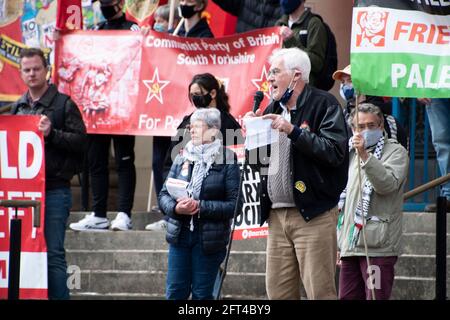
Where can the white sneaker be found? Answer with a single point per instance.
(90, 222)
(122, 222)
(160, 225)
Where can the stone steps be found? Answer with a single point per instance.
(133, 264)
(240, 261)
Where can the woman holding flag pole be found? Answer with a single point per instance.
(370, 214)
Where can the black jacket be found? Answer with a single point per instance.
(218, 197)
(63, 145)
(252, 14)
(319, 154)
(200, 30)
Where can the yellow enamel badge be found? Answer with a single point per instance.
(300, 186)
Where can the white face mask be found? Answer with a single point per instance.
(371, 137)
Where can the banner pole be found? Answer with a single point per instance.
(360, 186)
(175, 33)
(172, 13)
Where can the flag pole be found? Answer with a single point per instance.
(172, 13)
(360, 185)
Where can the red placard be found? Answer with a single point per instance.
(22, 177)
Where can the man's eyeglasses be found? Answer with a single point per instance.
(274, 72)
(369, 126)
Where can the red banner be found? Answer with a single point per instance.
(22, 177)
(10, 44)
(125, 83)
(220, 22)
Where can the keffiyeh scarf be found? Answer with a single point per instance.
(362, 208)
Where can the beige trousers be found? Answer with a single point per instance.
(300, 251)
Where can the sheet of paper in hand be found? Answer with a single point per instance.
(259, 133)
(177, 188)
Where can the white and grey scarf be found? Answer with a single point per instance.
(362, 209)
(202, 156)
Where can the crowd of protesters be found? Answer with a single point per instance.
(310, 190)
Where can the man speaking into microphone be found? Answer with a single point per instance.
(302, 180)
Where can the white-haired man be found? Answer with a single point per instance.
(299, 193)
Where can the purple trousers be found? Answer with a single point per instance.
(353, 278)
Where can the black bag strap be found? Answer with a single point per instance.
(59, 114)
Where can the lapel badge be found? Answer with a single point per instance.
(300, 186)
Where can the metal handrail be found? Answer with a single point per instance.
(25, 204)
(427, 186)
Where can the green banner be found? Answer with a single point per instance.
(400, 50)
(401, 75)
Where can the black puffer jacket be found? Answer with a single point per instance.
(252, 14)
(63, 145)
(218, 197)
(319, 154)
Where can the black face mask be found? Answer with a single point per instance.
(109, 11)
(187, 11)
(202, 101)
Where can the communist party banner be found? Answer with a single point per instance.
(401, 48)
(31, 23)
(22, 177)
(125, 83)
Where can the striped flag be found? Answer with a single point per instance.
(401, 48)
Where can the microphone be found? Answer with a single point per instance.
(257, 99)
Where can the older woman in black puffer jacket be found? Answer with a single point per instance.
(199, 223)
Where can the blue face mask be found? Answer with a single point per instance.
(289, 6)
(159, 27)
(371, 137)
(347, 92)
(288, 93)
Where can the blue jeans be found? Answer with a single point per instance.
(190, 270)
(57, 208)
(439, 116)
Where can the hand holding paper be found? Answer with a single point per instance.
(259, 132)
(177, 188)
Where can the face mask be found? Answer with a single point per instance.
(289, 6)
(109, 11)
(202, 101)
(347, 92)
(371, 137)
(288, 93)
(159, 27)
(187, 11)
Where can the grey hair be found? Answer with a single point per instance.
(211, 116)
(366, 108)
(294, 59)
(164, 12)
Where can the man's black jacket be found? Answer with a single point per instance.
(319, 154)
(63, 146)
